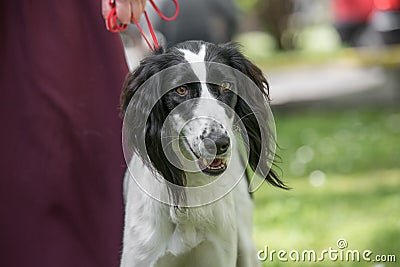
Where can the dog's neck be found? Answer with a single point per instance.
(187, 228)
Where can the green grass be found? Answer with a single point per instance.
(338, 142)
(348, 185)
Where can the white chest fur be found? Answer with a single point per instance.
(203, 236)
(158, 235)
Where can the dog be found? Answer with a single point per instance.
(187, 117)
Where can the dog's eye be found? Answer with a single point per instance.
(181, 90)
(225, 86)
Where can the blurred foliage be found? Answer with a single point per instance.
(257, 45)
(339, 141)
(317, 39)
(277, 34)
(273, 17)
(344, 170)
(246, 5)
(262, 54)
(260, 47)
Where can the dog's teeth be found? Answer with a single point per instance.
(217, 167)
(204, 162)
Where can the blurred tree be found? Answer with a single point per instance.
(274, 17)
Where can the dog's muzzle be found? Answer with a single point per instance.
(213, 149)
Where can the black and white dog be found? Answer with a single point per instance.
(186, 111)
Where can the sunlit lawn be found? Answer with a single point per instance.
(344, 170)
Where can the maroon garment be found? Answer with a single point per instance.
(61, 163)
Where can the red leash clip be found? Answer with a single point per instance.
(114, 25)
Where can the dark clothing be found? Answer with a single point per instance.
(61, 163)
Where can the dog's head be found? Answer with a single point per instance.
(193, 96)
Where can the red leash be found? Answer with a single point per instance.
(115, 26)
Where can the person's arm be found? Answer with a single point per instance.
(125, 9)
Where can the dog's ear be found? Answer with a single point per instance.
(144, 115)
(251, 110)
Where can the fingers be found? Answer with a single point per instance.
(105, 8)
(125, 9)
(138, 7)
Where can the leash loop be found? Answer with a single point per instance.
(162, 15)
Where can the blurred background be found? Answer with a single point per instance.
(334, 73)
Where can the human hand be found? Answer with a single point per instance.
(125, 9)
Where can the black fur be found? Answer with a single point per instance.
(150, 130)
(252, 116)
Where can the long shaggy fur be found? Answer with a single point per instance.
(157, 235)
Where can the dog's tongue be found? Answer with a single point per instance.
(216, 163)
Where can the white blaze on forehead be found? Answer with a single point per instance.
(197, 62)
(208, 106)
(198, 65)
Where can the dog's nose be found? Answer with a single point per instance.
(217, 144)
(222, 143)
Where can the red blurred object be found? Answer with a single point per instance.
(352, 10)
(367, 22)
(387, 4)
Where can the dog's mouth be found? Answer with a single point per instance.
(212, 167)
